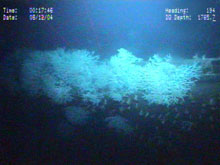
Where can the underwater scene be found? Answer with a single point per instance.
(110, 82)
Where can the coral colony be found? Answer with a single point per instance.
(63, 76)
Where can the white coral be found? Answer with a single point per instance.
(166, 83)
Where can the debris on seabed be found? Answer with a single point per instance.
(129, 101)
(177, 115)
(135, 97)
(146, 114)
(136, 105)
(159, 117)
(211, 101)
(121, 109)
(211, 119)
(105, 101)
(141, 113)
